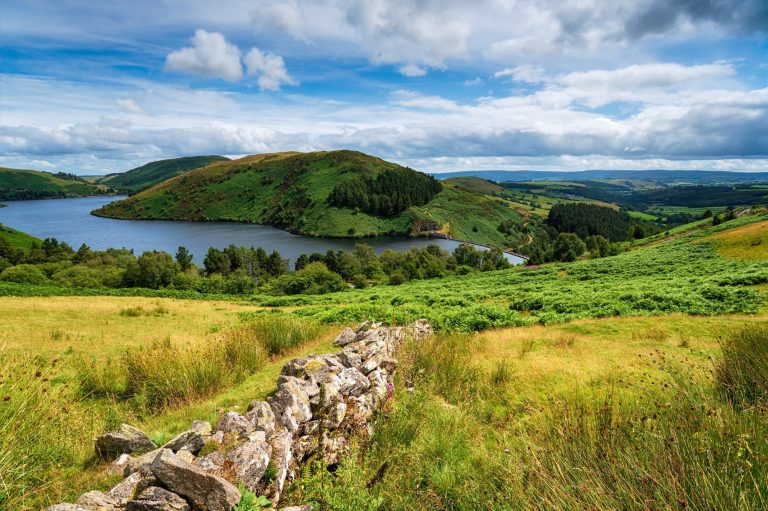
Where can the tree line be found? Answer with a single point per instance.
(236, 270)
(389, 193)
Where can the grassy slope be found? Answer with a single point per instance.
(17, 238)
(746, 242)
(156, 172)
(18, 180)
(254, 188)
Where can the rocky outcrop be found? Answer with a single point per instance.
(321, 402)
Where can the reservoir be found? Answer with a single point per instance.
(69, 220)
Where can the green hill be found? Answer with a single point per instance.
(156, 172)
(17, 239)
(291, 191)
(18, 184)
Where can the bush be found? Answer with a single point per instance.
(315, 278)
(742, 370)
(24, 274)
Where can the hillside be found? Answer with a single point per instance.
(156, 172)
(659, 176)
(17, 239)
(19, 184)
(291, 191)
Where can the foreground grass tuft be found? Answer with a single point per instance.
(743, 369)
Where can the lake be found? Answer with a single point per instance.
(69, 220)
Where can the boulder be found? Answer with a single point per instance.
(135, 464)
(212, 463)
(297, 508)
(126, 439)
(202, 427)
(234, 424)
(282, 457)
(352, 382)
(250, 461)
(157, 499)
(206, 492)
(290, 404)
(97, 501)
(189, 440)
(262, 417)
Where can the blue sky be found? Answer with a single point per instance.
(441, 85)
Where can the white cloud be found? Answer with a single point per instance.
(280, 16)
(269, 68)
(412, 71)
(130, 106)
(527, 73)
(210, 55)
(474, 81)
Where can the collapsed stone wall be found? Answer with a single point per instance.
(320, 403)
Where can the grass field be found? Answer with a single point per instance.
(746, 242)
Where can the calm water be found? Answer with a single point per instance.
(70, 220)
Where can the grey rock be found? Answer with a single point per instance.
(364, 327)
(346, 336)
(65, 507)
(135, 464)
(211, 463)
(353, 382)
(132, 485)
(306, 507)
(157, 499)
(262, 417)
(290, 404)
(250, 461)
(232, 423)
(126, 439)
(97, 501)
(282, 456)
(189, 440)
(202, 427)
(206, 492)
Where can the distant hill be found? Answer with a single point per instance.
(294, 191)
(156, 172)
(662, 176)
(19, 184)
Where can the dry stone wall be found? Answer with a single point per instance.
(321, 402)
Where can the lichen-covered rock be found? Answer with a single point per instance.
(206, 492)
(211, 463)
(135, 464)
(97, 501)
(250, 460)
(352, 382)
(290, 404)
(202, 427)
(234, 424)
(282, 456)
(157, 499)
(126, 439)
(306, 507)
(189, 440)
(262, 417)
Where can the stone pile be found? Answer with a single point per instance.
(320, 403)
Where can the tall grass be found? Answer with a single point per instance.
(29, 424)
(743, 369)
(667, 443)
(165, 374)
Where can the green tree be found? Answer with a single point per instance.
(184, 259)
(597, 245)
(568, 247)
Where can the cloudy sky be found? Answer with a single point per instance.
(96, 87)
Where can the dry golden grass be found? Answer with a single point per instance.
(746, 242)
(102, 325)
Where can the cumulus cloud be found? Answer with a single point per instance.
(210, 55)
(269, 68)
(527, 73)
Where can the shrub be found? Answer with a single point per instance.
(24, 274)
(742, 370)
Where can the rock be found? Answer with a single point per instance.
(353, 382)
(66, 507)
(206, 492)
(189, 440)
(282, 456)
(234, 424)
(132, 485)
(136, 463)
(336, 415)
(186, 455)
(97, 501)
(262, 417)
(212, 463)
(157, 499)
(364, 327)
(294, 367)
(347, 336)
(250, 461)
(290, 404)
(202, 427)
(126, 439)
(351, 358)
(297, 508)
(119, 465)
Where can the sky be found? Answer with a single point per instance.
(439, 85)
